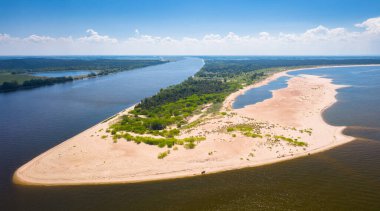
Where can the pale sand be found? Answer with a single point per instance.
(88, 159)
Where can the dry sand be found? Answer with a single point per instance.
(89, 158)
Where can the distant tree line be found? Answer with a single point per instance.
(30, 65)
(27, 65)
(228, 68)
(12, 86)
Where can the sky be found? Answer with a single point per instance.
(175, 27)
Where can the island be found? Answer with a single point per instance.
(192, 129)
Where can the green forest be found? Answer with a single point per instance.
(15, 73)
(165, 113)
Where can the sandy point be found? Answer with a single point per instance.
(287, 126)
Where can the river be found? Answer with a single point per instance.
(32, 121)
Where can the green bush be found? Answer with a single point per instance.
(292, 141)
(162, 155)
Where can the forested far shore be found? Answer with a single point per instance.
(15, 74)
(33, 83)
(28, 65)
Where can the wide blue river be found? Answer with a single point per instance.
(33, 121)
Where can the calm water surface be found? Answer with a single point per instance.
(33, 121)
(261, 93)
(344, 178)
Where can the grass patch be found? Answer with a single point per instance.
(189, 143)
(308, 131)
(19, 78)
(192, 124)
(253, 135)
(162, 155)
(291, 141)
(247, 130)
(241, 128)
(214, 108)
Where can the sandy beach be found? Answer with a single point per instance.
(92, 157)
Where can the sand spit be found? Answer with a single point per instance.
(287, 126)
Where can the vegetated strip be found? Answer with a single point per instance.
(16, 71)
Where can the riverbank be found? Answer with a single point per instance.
(92, 158)
(18, 73)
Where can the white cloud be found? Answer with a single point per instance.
(37, 39)
(93, 36)
(4, 37)
(315, 41)
(371, 25)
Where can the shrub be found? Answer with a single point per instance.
(253, 135)
(189, 145)
(162, 155)
(292, 141)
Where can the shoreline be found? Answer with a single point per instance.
(227, 104)
(19, 177)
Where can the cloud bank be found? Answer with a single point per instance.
(364, 40)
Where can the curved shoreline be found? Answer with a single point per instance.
(227, 104)
(19, 177)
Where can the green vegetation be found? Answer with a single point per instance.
(291, 141)
(214, 108)
(189, 143)
(308, 131)
(14, 72)
(191, 124)
(253, 135)
(247, 130)
(162, 155)
(104, 66)
(241, 128)
(29, 84)
(18, 78)
(167, 112)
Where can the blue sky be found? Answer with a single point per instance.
(177, 19)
